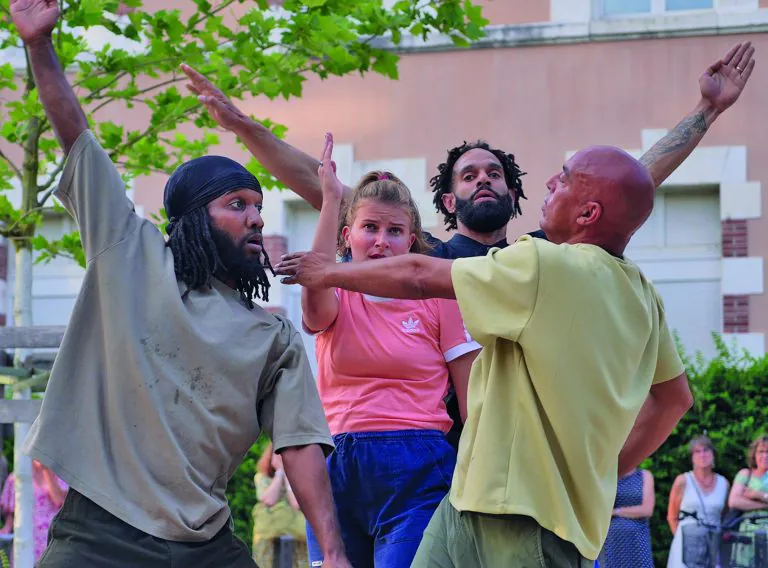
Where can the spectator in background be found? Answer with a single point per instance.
(701, 492)
(277, 513)
(750, 487)
(49, 497)
(749, 495)
(628, 544)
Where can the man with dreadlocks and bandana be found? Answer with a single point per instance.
(478, 188)
(168, 372)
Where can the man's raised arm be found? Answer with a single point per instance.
(35, 20)
(721, 85)
(294, 168)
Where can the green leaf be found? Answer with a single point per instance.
(386, 64)
(69, 246)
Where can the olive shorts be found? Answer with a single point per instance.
(455, 539)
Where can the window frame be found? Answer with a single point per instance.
(658, 8)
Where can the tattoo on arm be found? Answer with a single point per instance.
(681, 135)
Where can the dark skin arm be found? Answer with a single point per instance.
(409, 276)
(307, 473)
(35, 20)
(291, 166)
(666, 404)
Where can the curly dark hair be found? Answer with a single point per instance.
(196, 258)
(442, 183)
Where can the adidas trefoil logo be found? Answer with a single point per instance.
(411, 325)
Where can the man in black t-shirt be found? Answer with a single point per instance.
(478, 190)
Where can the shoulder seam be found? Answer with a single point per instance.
(121, 241)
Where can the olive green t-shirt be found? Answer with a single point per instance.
(155, 397)
(573, 338)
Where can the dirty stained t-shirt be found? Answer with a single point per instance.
(154, 398)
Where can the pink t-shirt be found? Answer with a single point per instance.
(382, 365)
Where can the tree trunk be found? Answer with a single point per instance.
(23, 525)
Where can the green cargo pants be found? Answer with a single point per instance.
(456, 539)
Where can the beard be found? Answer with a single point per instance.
(238, 264)
(487, 216)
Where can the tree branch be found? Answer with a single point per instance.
(160, 127)
(52, 178)
(17, 222)
(216, 10)
(93, 95)
(213, 12)
(47, 195)
(14, 167)
(30, 78)
(104, 103)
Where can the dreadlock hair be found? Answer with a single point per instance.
(196, 258)
(442, 183)
(384, 187)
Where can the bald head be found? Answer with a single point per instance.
(602, 196)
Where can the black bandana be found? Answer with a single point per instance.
(200, 181)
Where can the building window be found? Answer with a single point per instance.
(629, 7)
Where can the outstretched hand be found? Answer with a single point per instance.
(34, 19)
(305, 268)
(329, 183)
(221, 109)
(722, 83)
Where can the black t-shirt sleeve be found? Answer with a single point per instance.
(437, 248)
(539, 235)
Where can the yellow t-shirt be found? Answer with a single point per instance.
(573, 338)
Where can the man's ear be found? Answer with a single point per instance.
(449, 202)
(591, 212)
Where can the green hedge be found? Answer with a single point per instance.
(241, 493)
(731, 407)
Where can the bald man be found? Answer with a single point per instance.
(576, 350)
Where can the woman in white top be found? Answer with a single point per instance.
(701, 492)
